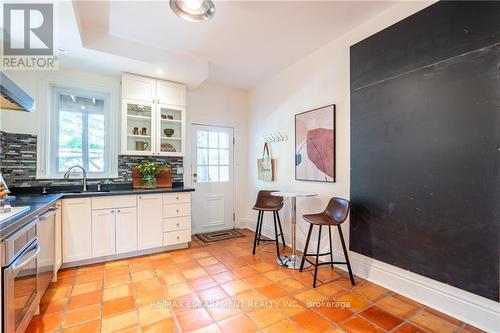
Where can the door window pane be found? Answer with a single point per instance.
(202, 156)
(213, 173)
(202, 174)
(223, 156)
(223, 173)
(202, 139)
(213, 139)
(223, 140)
(213, 156)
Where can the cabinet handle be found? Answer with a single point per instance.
(177, 211)
(118, 211)
(112, 211)
(177, 198)
(177, 237)
(140, 197)
(177, 224)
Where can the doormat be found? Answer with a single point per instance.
(209, 237)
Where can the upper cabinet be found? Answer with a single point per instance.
(153, 116)
(170, 93)
(139, 88)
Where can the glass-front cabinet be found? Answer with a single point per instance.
(155, 126)
(139, 129)
(171, 127)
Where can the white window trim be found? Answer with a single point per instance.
(45, 147)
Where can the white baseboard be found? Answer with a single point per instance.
(475, 310)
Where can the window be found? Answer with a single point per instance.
(79, 133)
(212, 150)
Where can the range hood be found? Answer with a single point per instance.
(13, 97)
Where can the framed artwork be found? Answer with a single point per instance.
(315, 145)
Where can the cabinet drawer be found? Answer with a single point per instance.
(174, 198)
(176, 237)
(177, 223)
(115, 201)
(183, 209)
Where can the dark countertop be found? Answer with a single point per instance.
(129, 191)
(38, 203)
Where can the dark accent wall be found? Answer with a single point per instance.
(18, 164)
(425, 141)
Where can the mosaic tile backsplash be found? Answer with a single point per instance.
(18, 164)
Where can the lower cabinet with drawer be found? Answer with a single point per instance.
(108, 227)
(176, 219)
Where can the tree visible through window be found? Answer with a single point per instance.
(81, 132)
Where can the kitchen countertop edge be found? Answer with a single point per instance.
(38, 203)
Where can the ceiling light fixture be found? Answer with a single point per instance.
(193, 10)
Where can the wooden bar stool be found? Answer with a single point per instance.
(268, 203)
(334, 215)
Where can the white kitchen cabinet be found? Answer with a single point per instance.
(138, 127)
(58, 240)
(153, 117)
(149, 218)
(76, 229)
(176, 219)
(170, 93)
(177, 237)
(138, 87)
(126, 230)
(171, 130)
(103, 232)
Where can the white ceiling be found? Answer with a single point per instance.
(245, 43)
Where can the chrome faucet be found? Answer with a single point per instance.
(66, 175)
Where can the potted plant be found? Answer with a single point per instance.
(149, 170)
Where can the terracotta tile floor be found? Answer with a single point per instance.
(221, 287)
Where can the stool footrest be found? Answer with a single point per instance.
(321, 254)
(325, 263)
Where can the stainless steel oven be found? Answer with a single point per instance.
(20, 275)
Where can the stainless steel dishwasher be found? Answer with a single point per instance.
(46, 260)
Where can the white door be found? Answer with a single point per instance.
(76, 229)
(103, 232)
(149, 221)
(126, 230)
(213, 178)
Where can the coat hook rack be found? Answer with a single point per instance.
(275, 137)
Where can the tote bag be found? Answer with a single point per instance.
(266, 165)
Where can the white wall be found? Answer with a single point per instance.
(217, 104)
(320, 79)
